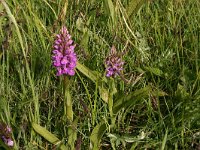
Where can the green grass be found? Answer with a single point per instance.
(158, 109)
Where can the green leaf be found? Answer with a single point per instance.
(134, 6)
(198, 75)
(129, 139)
(159, 93)
(72, 134)
(80, 25)
(114, 140)
(96, 135)
(110, 10)
(104, 94)
(84, 42)
(68, 111)
(114, 136)
(48, 135)
(155, 71)
(112, 87)
(87, 72)
(95, 77)
(3, 104)
(181, 92)
(126, 101)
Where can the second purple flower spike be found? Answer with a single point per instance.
(5, 134)
(114, 63)
(64, 57)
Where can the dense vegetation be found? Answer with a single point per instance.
(154, 103)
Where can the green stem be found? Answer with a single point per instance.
(67, 99)
(112, 91)
(110, 106)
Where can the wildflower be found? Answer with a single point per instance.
(64, 57)
(5, 134)
(8, 130)
(8, 141)
(114, 63)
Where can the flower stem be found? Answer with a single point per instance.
(67, 99)
(112, 91)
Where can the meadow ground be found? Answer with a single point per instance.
(153, 103)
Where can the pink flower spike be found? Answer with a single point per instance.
(64, 57)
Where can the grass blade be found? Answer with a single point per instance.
(164, 140)
(35, 98)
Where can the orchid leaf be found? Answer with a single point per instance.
(84, 43)
(48, 136)
(96, 135)
(72, 134)
(87, 72)
(104, 94)
(154, 71)
(131, 99)
(95, 77)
